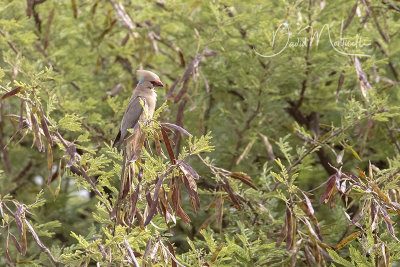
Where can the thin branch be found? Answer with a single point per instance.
(372, 12)
(41, 245)
(307, 58)
(123, 15)
(392, 137)
(79, 171)
(10, 44)
(52, 65)
(303, 120)
(245, 128)
(299, 160)
(391, 65)
(5, 154)
(179, 122)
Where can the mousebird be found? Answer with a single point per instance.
(134, 111)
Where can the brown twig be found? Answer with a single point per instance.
(208, 111)
(10, 44)
(307, 58)
(246, 127)
(392, 137)
(123, 15)
(391, 65)
(300, 159)
(303, 120)
(179, 122)
(51, 64)
(5, 154)
(372, 12)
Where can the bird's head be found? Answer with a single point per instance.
(149, 78)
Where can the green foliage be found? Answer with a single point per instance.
(293, 157)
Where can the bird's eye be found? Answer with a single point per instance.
(156, 84)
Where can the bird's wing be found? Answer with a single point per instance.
(130, 118)
(132, 115)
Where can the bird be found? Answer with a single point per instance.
(143, 97)
(145, 91)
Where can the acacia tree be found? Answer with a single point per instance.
(293, 95)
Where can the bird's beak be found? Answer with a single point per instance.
(159, 83)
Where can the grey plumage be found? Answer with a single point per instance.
(134, 111)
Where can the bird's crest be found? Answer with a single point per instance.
(147, 76)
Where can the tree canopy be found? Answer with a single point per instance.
(275, 140)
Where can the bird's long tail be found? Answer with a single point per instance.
(125, 208)
(117, 207)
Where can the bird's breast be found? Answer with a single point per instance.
(151, 99)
